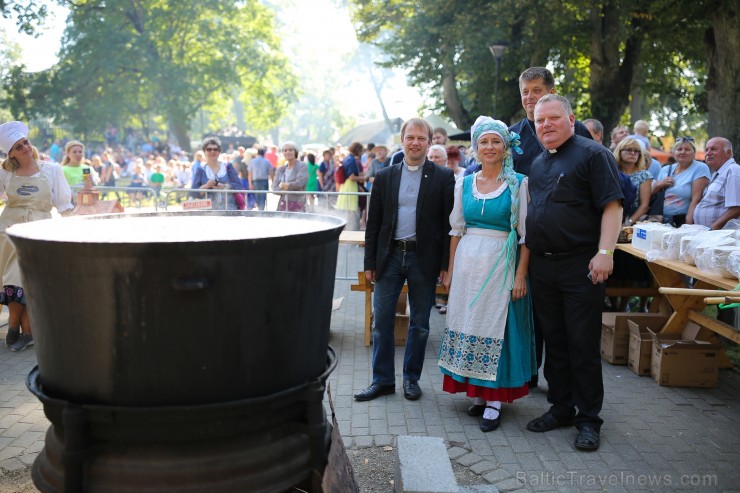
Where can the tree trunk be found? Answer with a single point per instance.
(452, 101)
(181, 129)
(378, 87)
(611, 81)
(636, 106)
(722, 43)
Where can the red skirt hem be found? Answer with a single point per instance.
(507, 395)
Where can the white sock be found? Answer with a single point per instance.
(478, 401)
(492, 413)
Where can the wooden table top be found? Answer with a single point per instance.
(352, 238)
(683, 268)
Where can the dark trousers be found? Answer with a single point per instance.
(402, 267)
(568, 308)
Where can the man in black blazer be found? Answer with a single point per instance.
(406, 240)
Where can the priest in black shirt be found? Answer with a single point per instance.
(534, 83)
(573, 221)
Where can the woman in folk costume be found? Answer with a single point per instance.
(33, 187)
(488, 348)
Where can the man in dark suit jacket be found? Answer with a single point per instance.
(406, 240)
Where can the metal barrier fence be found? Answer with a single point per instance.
(136, 197)
(170, 199)
(316, 202)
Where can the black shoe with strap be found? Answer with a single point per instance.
(547, 422)
(587, 439)
(487, 425)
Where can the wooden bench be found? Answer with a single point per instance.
(401, 308)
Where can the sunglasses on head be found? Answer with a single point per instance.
(20, 145)
(684, 139)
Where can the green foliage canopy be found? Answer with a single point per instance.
(604, 53)
(128, 60)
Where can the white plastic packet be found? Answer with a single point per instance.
(670, 245)
(697, 244)
(713, 260)
(733, 264)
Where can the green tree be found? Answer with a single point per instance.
(10, 55)
(123, 60)
(605, 54)
(444, 46)
(28, 13)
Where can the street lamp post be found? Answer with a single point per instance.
(497, 50)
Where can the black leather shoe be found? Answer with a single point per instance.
(373, 391)
(487, 425)
(411, 390)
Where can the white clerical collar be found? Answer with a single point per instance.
(552, 151)
(411, 168)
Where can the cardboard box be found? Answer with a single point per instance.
(402, 305)
(615, 334)
(682, 361)
(640, 350)
(401, 329)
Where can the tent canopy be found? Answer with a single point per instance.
(375, 132)
(378, 132)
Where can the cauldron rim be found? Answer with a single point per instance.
(332, 224)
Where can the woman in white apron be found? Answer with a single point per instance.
(32, 188)
(488, 348)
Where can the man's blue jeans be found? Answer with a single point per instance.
(260, 197)
(402, 266)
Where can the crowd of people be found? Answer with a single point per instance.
(521, 228)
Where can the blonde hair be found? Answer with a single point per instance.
(12, 164)
(69, 145)
(630, 142)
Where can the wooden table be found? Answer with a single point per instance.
(667, 273)
(368, 288)
(352, 238)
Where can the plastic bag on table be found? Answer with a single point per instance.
(670, 244)
(713, 260)
(733, 224)
(697, 244)
(733, 264)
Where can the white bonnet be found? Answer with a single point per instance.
(10, 133)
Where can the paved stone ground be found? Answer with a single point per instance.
(654, 438)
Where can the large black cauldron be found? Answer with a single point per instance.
(178, 308)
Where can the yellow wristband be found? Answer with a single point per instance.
(606, 252)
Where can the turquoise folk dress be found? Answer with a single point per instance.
(488, 346)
